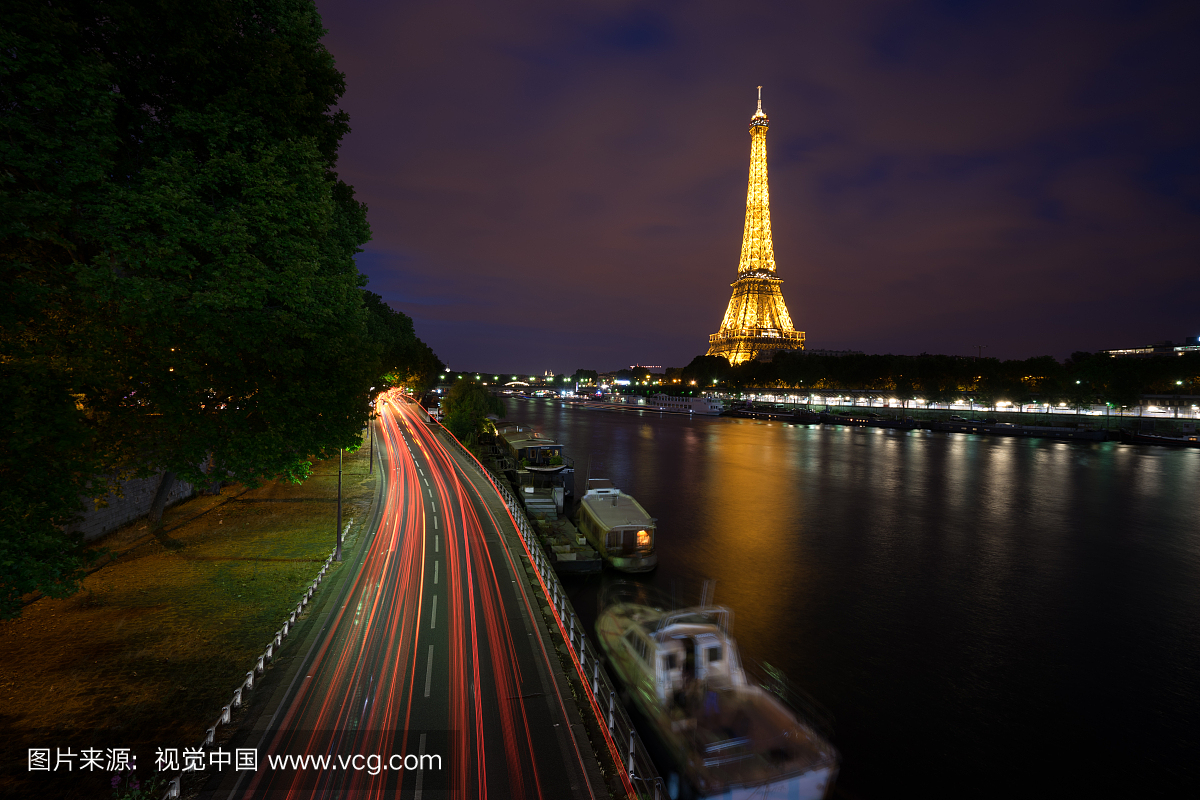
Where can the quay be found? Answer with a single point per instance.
(1062, 426)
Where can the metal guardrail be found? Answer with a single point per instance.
(639, 774)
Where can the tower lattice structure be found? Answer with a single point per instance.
(757, 323)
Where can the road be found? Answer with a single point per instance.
(432, 652)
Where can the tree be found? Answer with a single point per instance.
(706, 369)
(405, 359)
(467, 406)
(176, 253)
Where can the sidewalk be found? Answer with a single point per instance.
(149, 651)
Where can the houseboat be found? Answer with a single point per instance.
(618, 527)
(663, 403)
(726, 735)
(706, 406)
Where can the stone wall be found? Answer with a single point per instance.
(137, 496)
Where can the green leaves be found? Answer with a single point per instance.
(467, 406)
(1082, 380)
(176, 259)
(405, 359)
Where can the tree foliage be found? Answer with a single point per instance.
(466, 408)
(703, 370)
(177, 259)
(405, 359)
(1083, 379)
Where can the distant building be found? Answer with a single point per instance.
(834, 352)
(1189, 345)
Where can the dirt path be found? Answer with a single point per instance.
(149, 651)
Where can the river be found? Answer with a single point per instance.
(983, 617)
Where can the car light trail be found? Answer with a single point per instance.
(396, 664)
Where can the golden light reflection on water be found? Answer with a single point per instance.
(756, 535)
(952, 589)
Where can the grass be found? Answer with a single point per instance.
(149, 651)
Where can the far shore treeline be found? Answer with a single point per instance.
(1083, 379)
(177, 262)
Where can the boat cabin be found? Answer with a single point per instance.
(686, 650)
(615, 520)
(528, 445)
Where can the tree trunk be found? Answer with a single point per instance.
(214, 487)
(160, 498)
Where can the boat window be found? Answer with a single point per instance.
(714, 654)
(670, 659)
(637, 643)
(643, 538)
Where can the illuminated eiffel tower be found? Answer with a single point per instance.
(757, 323)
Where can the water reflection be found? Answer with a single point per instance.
(961, 603)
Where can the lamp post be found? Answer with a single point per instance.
(338, 552)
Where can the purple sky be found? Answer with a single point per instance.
(562, 185)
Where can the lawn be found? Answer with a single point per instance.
(149, 651)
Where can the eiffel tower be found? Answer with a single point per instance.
(757, 323)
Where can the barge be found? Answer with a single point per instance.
(659, 403)
(726, 735)
(1135, 437)
(617, 526)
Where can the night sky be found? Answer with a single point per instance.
(562, 185)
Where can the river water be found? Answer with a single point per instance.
(982, 617)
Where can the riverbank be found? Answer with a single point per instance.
(981, 421)
(151, 649)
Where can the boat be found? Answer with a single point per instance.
(705, 406)
(659, 403)
(1009, 429)
(1135, 437)
(617, 526)
(795, 416)
(726, 735)
(546, 470)
(868, 419)
(569, 552)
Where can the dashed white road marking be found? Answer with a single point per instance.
(429, 670)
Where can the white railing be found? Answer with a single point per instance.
(268, 656)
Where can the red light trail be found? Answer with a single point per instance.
(431, 650)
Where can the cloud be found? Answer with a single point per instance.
(565, 183)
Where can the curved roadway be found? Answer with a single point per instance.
(432, 651)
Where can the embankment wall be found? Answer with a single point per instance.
(132, 502)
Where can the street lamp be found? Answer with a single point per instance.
(338, 552)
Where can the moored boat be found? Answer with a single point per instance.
(726, 735)
(617, 526)
(661, 403)
(1136, 437)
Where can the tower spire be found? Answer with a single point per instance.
(757, 322)
(759, 115)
